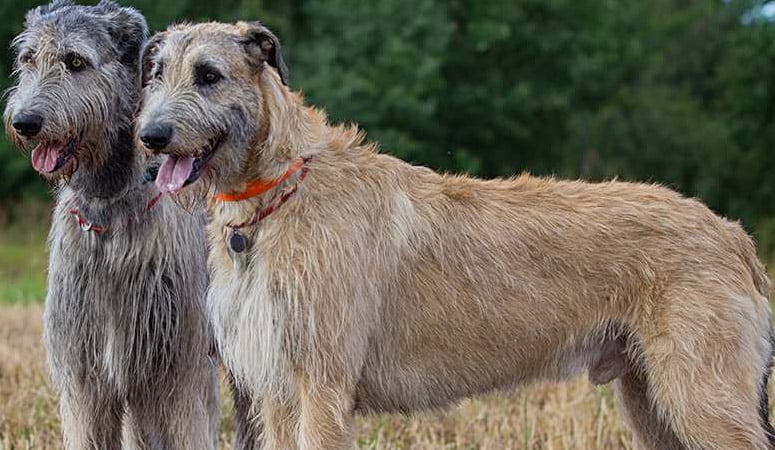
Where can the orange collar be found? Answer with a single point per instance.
(259, 186)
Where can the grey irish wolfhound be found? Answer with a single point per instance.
(348, 281)
(128, 341)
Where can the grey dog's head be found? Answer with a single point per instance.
(76, 73)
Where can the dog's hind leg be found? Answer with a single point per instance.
(131, 436)
(143, 428)
(703, 359)
(764, 402)
(649, 431)
(90, 420)
(247, 428)
(171, 425)
(184, 416)
(194, 419)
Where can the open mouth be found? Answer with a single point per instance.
(48, 157)
(177, 172)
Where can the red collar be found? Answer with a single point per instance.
(260, 186)
(89, 226)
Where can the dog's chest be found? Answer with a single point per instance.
(112, 301)
(248, 320)
(83, 322)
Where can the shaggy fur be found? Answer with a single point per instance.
(125, 326)
(386, 287)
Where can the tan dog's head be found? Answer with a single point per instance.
(204, 100)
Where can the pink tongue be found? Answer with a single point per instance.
(45, 156)
(174, 172)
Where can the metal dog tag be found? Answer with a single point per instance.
(237, 242)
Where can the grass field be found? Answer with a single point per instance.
(566, 416)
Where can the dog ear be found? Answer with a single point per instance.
(34, 14)
(263, 46)
(128, 28)
(148, 54)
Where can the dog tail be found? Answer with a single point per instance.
(764, 405)
(747, 250)
(759, 272)
(761, 281)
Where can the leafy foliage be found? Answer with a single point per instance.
(668, 91)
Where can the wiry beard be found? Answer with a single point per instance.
(193, 197)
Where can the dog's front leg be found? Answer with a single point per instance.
(279, 425)
(326, 419)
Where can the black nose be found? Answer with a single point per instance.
(156, 136)
(27, 124)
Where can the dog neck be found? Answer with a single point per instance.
(111, 177)
(98, 189)
(287, 131)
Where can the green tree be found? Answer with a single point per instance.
(668, 91)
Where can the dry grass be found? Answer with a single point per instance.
(569, 416)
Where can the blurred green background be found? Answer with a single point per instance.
(670, 91)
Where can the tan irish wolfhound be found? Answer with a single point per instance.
(346, 281)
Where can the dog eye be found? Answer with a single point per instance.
(205, 76)
(158, 70)
(75, 62)
(211, 77)
(26, 58)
